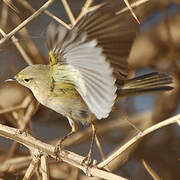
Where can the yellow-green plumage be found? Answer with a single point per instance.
(62, 97)
(87, 71)
(64, 80)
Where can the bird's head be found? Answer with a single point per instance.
(34, 77)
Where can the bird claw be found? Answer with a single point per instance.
(88, 164)
(58, 150)
(87, 161)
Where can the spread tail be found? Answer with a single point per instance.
(144, 84)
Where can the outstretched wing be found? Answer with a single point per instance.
(87, 53)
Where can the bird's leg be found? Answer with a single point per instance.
(58, 147)
(87, 160)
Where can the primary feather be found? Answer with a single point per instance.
(85, 55)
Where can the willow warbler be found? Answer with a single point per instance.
(87, 71)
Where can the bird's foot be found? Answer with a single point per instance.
(87, 160)
(88, 163)
(58, 149)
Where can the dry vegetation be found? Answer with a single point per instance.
(148, 151)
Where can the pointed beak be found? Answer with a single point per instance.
(11, 79)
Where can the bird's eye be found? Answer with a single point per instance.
(26, 80)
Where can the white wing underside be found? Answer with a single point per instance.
(88, 69)
(94, 80)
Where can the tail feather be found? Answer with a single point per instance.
(146, 83)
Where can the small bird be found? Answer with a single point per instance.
(87, 71)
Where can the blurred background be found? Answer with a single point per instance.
(156, 48)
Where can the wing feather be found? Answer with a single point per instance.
(99, 41)
(97, 77)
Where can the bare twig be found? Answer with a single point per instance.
(132, 12)
(44, 168)
(66, 156)
(150, 171)
(23, 119)
(178, 122)
(73, 158)
(11, 5)
(21, 50)
(112, 125)
(19, 47)
(25, 22)
(84, 9)
(7, 110)
(12, 164)
(87, 4)
(92, 8)
(32, 167)
(137, 137)
(4, 15)
(30, 45)
(23, 105)
(58, 19)
(69, 12)
(135, 4)
(28, 6)
(100, 147)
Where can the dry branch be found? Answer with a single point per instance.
(28, 6)
(28, 20)
(69, 12)
(135, 4)
(44, 167)
(150, 170)
(18, 46)
(35, 145)
(31, 168)
(137, 137)
(132, 12)
(72, 158)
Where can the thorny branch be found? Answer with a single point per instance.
(70, 157)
